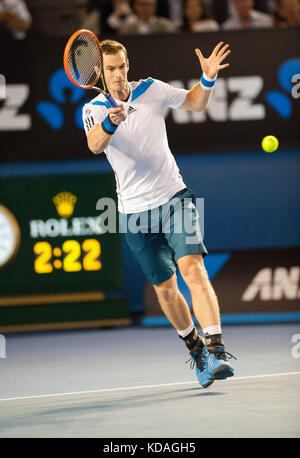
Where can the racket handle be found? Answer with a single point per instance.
(111, 100)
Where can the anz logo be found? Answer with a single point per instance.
(52, 111)
(277, 284)
(243, 106)
(246, 89)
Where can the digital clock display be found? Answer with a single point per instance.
(73, 256)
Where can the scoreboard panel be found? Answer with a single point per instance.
(59, 266)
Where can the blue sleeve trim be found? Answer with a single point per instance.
(141, 89)
(106, 104)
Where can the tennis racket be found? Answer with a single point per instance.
(83, 63)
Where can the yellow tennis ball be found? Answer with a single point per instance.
(269, 143)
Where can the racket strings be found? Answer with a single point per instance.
(81, 61)
(84, 59)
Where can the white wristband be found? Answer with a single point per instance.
(207, 77)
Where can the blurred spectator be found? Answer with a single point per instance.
(245, 17)
(15, 18)
(224, 9)
(287, 13)
(144, 21)
(196, 19)
(121, 11)
(89, 17)
(173, 9)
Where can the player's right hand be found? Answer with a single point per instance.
(117, 115)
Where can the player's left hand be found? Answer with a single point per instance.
(212, 64)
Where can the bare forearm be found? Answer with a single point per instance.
(97, 139)
(99, 136)
(199, 98)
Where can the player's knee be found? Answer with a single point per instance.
(195, 274)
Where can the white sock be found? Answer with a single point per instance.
(211, 330)
(185, 332)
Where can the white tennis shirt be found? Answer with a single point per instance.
(146, 173)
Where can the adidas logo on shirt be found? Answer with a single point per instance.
(131, 110)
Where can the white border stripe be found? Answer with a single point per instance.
(40, 396)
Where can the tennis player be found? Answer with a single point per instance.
(134, 139)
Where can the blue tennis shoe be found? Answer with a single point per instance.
(198, 351)
(199, 360)
(218, 366)
(209, 358)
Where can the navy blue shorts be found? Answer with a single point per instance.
(161, 236)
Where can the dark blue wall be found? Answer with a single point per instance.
(252, 200)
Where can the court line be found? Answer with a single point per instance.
(142, 387)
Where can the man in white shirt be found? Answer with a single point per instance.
(245, 17)
(134, 139)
